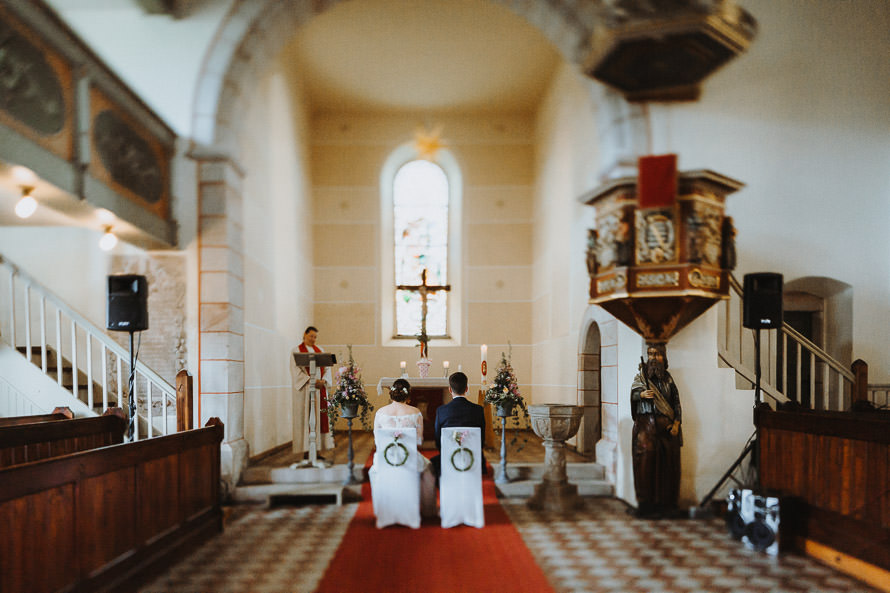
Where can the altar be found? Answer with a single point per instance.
(427, 394)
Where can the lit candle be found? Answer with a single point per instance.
(403, 365)
(484, 362)
(445, 366)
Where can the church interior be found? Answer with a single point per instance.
(613, 175)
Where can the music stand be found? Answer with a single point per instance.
(313, 360)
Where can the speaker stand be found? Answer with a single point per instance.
(131, 395)
(753, 442)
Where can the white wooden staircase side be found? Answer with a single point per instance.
(25, 390)
(70, 350)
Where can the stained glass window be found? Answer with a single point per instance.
(420, 224)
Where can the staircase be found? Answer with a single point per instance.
(46, 331)
(83, 385)
(830, 384)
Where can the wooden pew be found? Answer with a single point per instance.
(100, 520)
(837, 465)
(57, 414)
(24, 443)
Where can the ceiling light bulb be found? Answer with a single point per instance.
(23, 175)
(105, 216)
(108, 240)
(26, 206)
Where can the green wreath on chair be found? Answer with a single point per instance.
(397, 445)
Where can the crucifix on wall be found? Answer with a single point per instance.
(423, 289)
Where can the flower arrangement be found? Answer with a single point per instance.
(350, 390)
(504, 391)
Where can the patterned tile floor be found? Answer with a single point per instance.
(601, 549)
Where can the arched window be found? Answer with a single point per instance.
(420, 248)
(420, 255)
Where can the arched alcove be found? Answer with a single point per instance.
(589, 388)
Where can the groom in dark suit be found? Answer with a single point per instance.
(458, 412)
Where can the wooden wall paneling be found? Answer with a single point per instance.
(817, 483)
(195, 490)
(40, 538)
(845, 493)
(859, 479)
(797, 459)
(74, 519)
(33, 442)
(105, 518)
(878, 501)
(157, 487)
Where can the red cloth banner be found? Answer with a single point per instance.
(657, 182)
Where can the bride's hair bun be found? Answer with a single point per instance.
(400, 390)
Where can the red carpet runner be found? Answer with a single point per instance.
(461, 559)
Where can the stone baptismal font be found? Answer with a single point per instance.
(555, 423)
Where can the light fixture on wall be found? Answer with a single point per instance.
(428, 142)
(27, 204)
(108, 240)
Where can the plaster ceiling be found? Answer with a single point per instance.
(421, 56)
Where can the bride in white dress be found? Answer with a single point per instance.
(400, 415)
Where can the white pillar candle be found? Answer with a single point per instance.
(484, 365)
(445, 364)
(403, 365)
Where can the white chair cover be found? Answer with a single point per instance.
(460, 484)
(395, 482)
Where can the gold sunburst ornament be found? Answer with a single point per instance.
(428, 142)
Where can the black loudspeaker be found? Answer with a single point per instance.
(127, 303)
(763, 522)
(762, 301)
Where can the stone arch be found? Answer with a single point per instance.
(589, 387)
(252, 34)
(255, 31)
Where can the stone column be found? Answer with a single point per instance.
(220, 379)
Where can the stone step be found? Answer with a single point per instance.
(269, 494)
(535, 471)
(264, 474)
(525, 488)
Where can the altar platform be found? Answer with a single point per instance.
(270, 481)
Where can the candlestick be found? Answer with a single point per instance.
(404, 366)
(445, 367)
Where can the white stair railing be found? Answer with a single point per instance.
(92, 355)
(828, 382)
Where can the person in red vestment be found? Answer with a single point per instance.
(324, 438)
